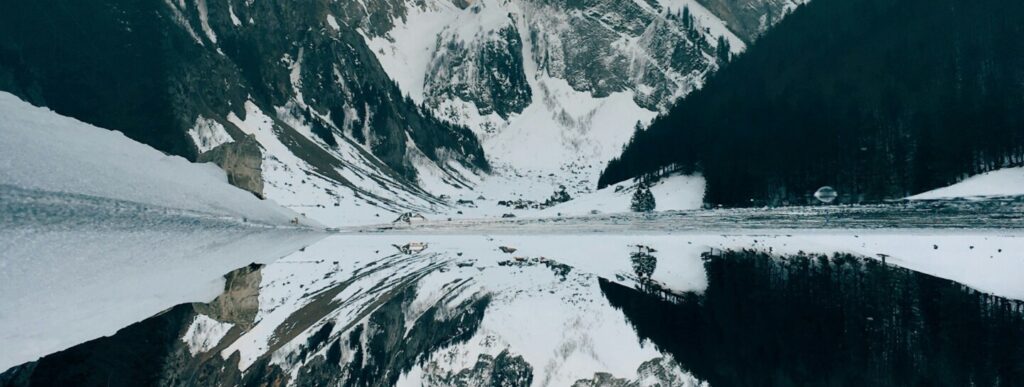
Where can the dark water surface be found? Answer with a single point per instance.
(839, 321)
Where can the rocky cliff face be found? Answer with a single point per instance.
(489, 72)
(563, 80)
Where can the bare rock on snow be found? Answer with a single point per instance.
(242, 160)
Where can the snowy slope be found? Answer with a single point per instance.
(352, 187)
(41, 150)
(1002, 182)
(673, 193)
(98, 231)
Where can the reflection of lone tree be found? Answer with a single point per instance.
(643, 199)
(643, 264)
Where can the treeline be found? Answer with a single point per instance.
(877, 98)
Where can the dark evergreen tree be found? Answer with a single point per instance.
(723, 51)
(643, 264)
(643, 199)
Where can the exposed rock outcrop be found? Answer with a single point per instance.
(242, 160)
(240, 301)
(505, 370)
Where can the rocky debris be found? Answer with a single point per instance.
(558, 197)
(507, 250)
(242, 160)
(505, 370)
(662, 371)
(508, 215)
(560, 270)
(520, 204)
(411, 247)
(409, 217)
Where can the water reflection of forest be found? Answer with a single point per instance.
(835, 321)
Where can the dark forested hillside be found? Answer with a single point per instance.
(877, 98)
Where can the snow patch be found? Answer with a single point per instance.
(1002, 182)
(204, 21)
(331, 21)
(673, 193)
(207, 134)
(234, 18)
(204, 333)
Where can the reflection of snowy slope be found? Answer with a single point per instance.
(342, 282)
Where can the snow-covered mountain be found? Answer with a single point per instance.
(364, 109)
(547, 84)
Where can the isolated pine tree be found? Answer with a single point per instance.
(643, 264)
(643, 199)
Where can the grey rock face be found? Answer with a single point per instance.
(488, 72)
(240, 301)
(597, 46)
(242, 160)
(607, 46)
(505, 370)
(750, 18)
(662, 371)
